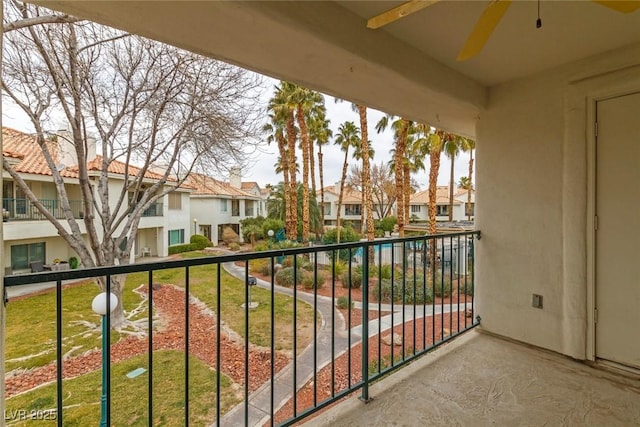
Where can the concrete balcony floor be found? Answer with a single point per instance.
(480, 379)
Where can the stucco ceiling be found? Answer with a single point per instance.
(407, 68)
(571, 30)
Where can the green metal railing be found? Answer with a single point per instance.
(399, 299)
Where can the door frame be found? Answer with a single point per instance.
(600, 88)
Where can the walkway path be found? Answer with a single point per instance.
(259, 402)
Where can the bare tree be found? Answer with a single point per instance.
(383, 189)
(144, 102)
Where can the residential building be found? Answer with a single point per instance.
(419, 204)
(30, 237)
(216, 205)
(351, 210)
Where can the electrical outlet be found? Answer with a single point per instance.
(537, 301)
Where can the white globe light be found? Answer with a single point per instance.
(99, 303)
(270, 233)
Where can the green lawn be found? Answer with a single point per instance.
(31, 331)
(81, 404)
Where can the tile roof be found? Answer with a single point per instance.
(205, 185)
(249, 185)
(442, 196)
(23, 146)
(349, 196)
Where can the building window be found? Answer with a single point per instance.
(415, 208)
(175, 201)
(176, 237)
(235, 208)
(327, 208)
(442, 210)
(23, 255)
(223, 205)
(352, 209)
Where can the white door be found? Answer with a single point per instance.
(618, 230)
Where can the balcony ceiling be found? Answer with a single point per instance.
(408, 67)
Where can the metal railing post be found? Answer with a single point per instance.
(365, 324)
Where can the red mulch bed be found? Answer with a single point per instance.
(322, 384)
(169, 302)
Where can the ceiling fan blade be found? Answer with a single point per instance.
(398, 12)
(627, 6)
(487, 22)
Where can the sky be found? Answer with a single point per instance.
(262, 169)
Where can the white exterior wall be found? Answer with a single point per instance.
(533, 198)
(175, 219)
(208, 211)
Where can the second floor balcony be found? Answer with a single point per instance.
(24, 210)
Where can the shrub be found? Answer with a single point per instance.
(199, 242)
(266, 269)
(386, 271)
(73, 262)
(387, 223)
(271, 224)
(229, 236)
(355, 281)
(403, 291)
(287, 244)
(257, 265)
(442, 288)
(260, 247)
(251, 233)
(234, 246)
(307, 279)
(252, 226)
(343, 303)
(285, 277)
(347, 234)
(340, 267)
(176, 249)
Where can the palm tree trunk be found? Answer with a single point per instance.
(285, 173)
(344, 177)
(400, 147)
(366, 172)
(406, 175)
(321, 185)
(434, 168)
(451, 184)
(470, 185)
(304, 136)
(292, 231)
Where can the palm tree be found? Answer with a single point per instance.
(401, 130)
(469, 145)
(464, 182)
(452, 148)
(348, 136)
(276, 207)
(434, 143)
(366, 154)
(320, 132)
(282, 106)
(415, 153)
(365, 185)
(275, 131)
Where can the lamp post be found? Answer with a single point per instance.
(195, 225)
(99, 306)
(270, 234)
